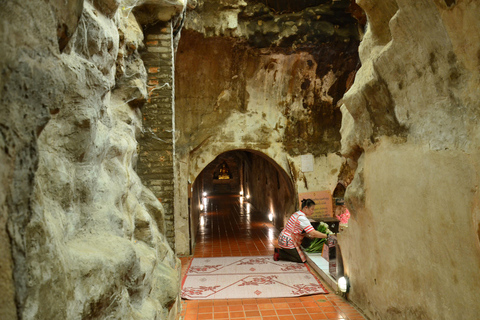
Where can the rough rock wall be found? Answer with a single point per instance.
(85, 240)
(412, 247)
(28, 86)
(285, 23)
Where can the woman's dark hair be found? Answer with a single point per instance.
(307, 203)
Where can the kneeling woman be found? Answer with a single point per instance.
(292, 235)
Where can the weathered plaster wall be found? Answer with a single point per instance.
(250, 78)
(412, 247)
(195, 208)
(325, 175)
(86, 235)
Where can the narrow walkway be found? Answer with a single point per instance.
(231, 228)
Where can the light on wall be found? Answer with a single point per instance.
(270, 234)
(248, 196)
(343, 284)
(270, 216)
(204, 194)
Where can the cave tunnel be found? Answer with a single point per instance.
(112, 109)
(241, 195)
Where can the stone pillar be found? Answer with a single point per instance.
(181, 212)
(157, 144)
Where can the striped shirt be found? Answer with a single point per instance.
(291, 236)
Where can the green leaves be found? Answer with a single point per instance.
(317, 244)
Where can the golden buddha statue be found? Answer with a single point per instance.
(223, 172)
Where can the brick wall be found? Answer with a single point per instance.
(157, 147)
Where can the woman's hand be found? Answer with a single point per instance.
(317, 234)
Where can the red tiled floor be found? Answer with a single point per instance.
(282, 312)
(266, 313)
(303, 317)
(248, 307)
(231, 229)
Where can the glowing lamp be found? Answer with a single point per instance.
(343, 284)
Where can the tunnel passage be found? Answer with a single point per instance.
(247, 175)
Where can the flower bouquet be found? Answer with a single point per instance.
(317, 244)
(344, 216)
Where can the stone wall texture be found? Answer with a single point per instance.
(86, 239)
(410, 120)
